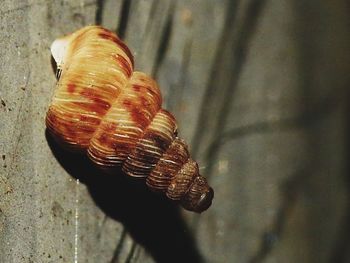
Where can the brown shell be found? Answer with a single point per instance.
(103, 107)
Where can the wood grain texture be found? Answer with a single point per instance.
(260, 90)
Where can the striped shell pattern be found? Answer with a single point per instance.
(104, 108)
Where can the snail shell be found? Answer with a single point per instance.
(104, 108)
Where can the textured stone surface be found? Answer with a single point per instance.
(260, 91)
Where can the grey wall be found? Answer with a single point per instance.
(260, 91)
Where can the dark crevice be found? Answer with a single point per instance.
(164, 43)
(176, 90)
(119, 247)
(56, 69)
(150, 18)
(99, 11)
(124, 16)
(153, 9)
(208, 96)
(131, 253)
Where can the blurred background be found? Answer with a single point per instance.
(260, 92)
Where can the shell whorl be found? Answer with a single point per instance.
(103, 107)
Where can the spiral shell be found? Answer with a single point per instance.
(104, 108)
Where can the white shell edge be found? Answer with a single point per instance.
(59, 49)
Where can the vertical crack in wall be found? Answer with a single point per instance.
(230, 17)
(176, 90)
(119, 247)
(164, 43)
(99, 11)
(123, 22)
(131, 253)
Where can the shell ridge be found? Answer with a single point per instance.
(168, 165)
(139, 142)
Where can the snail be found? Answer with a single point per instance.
(103, 108)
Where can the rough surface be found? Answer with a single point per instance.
(260, 91)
